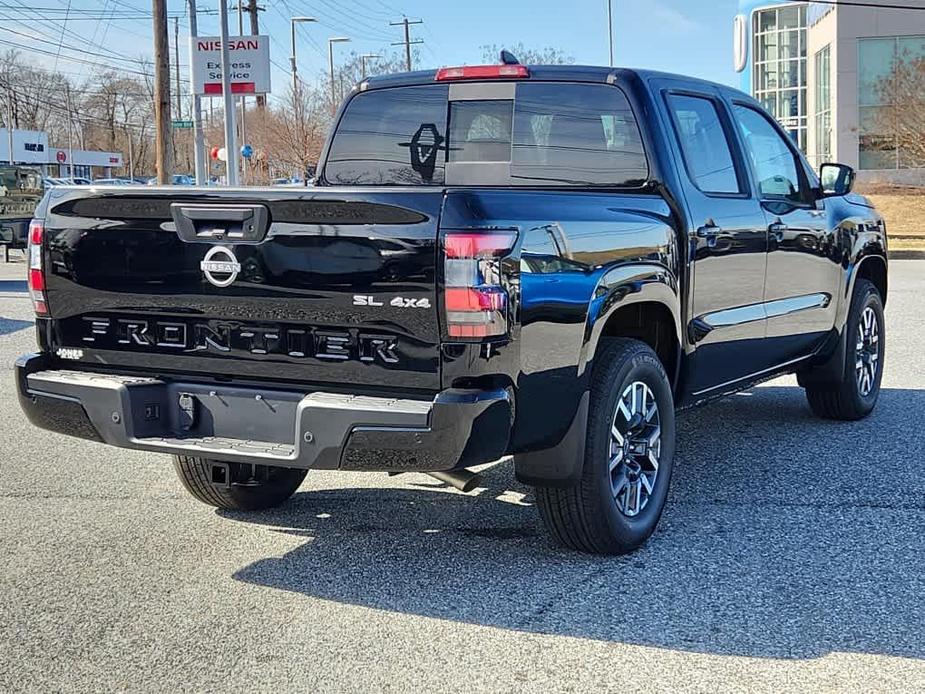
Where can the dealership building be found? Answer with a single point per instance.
(821, 68)
(31, 147)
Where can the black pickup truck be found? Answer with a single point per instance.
(546, 262)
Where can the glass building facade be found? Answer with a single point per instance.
(822, 104)
(779, 66)
(891, 99)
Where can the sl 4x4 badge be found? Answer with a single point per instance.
(397, 302)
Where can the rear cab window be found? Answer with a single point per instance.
(546, 134)
(704, 144)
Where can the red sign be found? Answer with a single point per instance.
(234, 44)
(61, 156)
(236, 88)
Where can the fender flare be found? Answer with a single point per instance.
(625, 285)
(618, 287)
(831, 368)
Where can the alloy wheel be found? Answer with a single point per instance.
(867, 352)
(635, 446)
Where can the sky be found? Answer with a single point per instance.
(688, 36)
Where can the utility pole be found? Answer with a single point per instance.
(176, 60)
(198, 140)
(253, 11)
(161, 93)
(407, 42)
(610, 28)
(231, 147)
(179, 112)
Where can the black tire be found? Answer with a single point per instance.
(248, 489)
(587, 516)
(846, 399)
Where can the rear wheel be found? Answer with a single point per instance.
(617, 503)
(855, 394)
(237, 486)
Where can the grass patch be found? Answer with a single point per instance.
(903, 208)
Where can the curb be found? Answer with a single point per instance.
(907, 254)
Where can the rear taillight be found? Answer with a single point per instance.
(36, 272)
(482, 72)
(475, 298)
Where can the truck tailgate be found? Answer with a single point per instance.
(327, 286)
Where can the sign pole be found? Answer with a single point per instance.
(198, 139)
(243, 98)
(231, 146)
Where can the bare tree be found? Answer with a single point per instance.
(293, 133)
(546, 55)
(900, 121)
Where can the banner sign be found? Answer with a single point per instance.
(250, 65)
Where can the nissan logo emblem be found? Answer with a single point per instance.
(220, 266)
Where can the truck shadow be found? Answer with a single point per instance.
(11, 325)
(785, 536)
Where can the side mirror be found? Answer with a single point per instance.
(836, 179)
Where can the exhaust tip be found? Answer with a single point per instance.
(464, 480)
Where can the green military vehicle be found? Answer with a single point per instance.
(20, 191)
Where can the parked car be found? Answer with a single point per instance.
(20, 191)
(113, 182)
(548, 262)
(176, 180)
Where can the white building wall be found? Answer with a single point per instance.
(842, 27)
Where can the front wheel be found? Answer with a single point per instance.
(855, 394)
(237, 486)
(629, 451)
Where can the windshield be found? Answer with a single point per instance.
(549, 134)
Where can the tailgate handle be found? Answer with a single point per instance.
(212, 223)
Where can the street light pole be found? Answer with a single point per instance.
(292, 57)
(364, 58)
(610, 28)
(331, 42)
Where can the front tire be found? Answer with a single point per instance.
(854, 396)
(616, 504)
(249, 487)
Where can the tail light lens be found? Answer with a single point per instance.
(36, 271)
(482, 72)
(475, 299)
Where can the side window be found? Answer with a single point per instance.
(706, 150)
(771, 159)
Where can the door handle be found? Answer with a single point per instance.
(709, 230)
(777, 230)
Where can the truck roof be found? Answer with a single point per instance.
(568, 73)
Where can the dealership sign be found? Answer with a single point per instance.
(249, 58)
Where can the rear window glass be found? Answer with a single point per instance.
(391, 137)
(480, 131)
(549, 134)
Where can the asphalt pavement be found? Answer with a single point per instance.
(791, 557)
